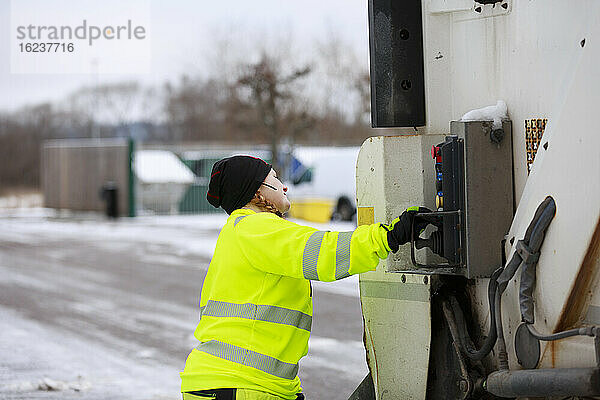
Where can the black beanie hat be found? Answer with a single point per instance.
(235, 180)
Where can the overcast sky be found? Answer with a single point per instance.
(182, 38)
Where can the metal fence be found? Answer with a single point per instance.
(199, 158)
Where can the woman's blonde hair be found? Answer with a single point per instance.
(261, 202)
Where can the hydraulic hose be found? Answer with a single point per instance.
(586, 331)
(550, 382)
(502, 354)
(533, 236)
(536, 217)
(528, 278)
(465, 340)
(530, 250)
(539, 231)
(506, 275)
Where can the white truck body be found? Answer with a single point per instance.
(541, 59)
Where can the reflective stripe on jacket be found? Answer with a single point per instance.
(256, 301)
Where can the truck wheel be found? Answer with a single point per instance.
(344, 210)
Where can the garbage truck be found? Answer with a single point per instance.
(494, 104)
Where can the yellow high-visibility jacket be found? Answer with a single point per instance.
(256, 301)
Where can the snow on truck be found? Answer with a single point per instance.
(499, 296)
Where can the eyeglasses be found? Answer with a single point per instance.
(266, 184)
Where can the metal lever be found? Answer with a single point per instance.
(435, 240)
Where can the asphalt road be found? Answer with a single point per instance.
(111, 315)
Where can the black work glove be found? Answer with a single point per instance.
(399, 231)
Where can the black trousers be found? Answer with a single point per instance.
(227, 394)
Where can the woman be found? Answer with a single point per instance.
(256, 301)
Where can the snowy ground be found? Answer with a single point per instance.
(98, 309)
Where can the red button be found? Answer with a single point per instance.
(436, 153)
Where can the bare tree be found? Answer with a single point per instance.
(343, 79)
(362, 85)
(194, 109)
(114, 104)
(21, 135)
(270, 95)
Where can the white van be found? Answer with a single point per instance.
(324, 187)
